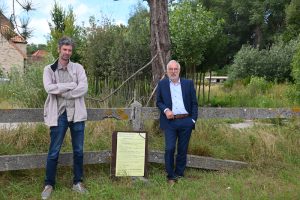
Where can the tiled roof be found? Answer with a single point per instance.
(13, 38)
(11, 35)
(18, 39)
(40, 53)
(5, 21)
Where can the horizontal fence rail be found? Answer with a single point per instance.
(36, 114)
(96, 114)
(33, 161)
(137, 114)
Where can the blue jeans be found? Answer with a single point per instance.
(179, 131)
(57, 135)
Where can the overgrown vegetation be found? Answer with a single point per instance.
(254, 92)
(261, 77)
(25, 90)
(273, 64)
(296, 72)
(271, 147)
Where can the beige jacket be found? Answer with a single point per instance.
(74, 90)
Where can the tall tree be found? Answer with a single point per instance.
(138, 37)
(256, 22)
(292, 20)
(64, 24)
(191, 29)
(160, 38)
(100, 42)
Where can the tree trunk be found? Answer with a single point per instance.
(208, 96)
(97, 85)
(160, 39)
(203, 88)
(199, 88)
(258, 37)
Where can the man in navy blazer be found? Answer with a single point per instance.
(177, 102)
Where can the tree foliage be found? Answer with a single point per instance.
(256, 22)
(272, 64)
(292, 20)
(117, 51)
(99, 47)
(296, 71)
(64, 24)
(31, 48)
(192, 29)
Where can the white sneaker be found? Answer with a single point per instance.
(79, 188)
(47, 192)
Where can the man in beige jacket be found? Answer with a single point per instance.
(66, 84)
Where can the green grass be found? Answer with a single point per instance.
(5, 104)
(253, 95)
(271, 147)
(197, 184)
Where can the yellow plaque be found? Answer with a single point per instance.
(130, 153)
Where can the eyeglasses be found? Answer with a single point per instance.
(173, 69)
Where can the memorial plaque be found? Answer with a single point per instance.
(129, 153)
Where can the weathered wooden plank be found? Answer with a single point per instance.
(248, 113)
(21, 115)
(36, 115)
(201, 162)
(32, 161)
(96, 114)
(242, 113)
(150, 113)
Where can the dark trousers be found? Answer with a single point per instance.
(179, 131)
(57, 135)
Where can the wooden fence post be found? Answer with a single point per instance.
(136, 115)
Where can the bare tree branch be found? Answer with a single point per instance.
(28, 6)
(105, 98)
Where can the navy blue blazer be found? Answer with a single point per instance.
(164, 100)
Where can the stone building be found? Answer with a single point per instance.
(12, 47)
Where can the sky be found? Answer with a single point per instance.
(118, 11)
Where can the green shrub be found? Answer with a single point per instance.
(258, 85)
(296, 72)
(258, 93)
(291, 93)
(272, 64)
(26, 89)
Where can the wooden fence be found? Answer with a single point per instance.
(136, 114)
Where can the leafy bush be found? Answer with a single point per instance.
(296, 72)
(25, 89)
(258, 85)
(272, 64)
(258, 93)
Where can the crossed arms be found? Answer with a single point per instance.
(69, 90)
